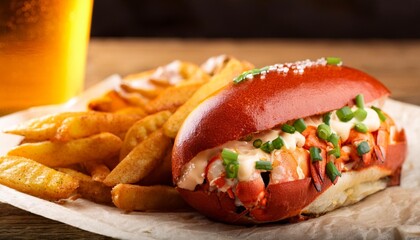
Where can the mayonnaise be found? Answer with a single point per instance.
(342, 129)
(194, 171)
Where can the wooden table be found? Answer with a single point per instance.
(395, 63)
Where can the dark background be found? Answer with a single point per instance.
(360, 19)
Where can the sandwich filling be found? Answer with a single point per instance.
(320, 147)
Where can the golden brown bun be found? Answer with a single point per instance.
(260, 104)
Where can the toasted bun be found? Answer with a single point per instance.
(262, 103)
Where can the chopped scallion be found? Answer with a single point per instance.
(247, 138)
(380, 113)
(345, 114)
(334, 138)
(278, 143)
(229, 156)
(326, 118)
(288, 128)
(333, 60)
(360, 101)
(267, 147)
(360, 114)
(323, 131)
(315, 154)
(360, 127)
(263, 165)
(336, 152)
(257, 143)
(299, 125)
(232, 170)
(363, 148)
(252, 72)
(332, 171)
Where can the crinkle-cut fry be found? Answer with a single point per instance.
(162, 174)
(28, 176)
(88, 188)
(42, 128)
(57, 154)
(97, 170)
(109, 102)
(94, 123)
(173, 97)
(141, 129)
(141, 160)
(147, 198)
(233, 68)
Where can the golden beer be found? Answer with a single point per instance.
(43, 47)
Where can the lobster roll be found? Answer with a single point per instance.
(288, 141)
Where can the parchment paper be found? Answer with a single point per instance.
(390, 214)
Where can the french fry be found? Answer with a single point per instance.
(110, 102)
(88, 188)
(28, 176)
(97, 170)
(232, 69)
(43, 128)
(192, 72)
(147, 198)
(56, 154)
(132, 110)
(141, 129)
(112, 162)
(162, 174)
(94, 123)
(173, 97)
(141, 160)
(152, 83)
(214, 65)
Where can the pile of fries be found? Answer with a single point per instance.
(119, 150)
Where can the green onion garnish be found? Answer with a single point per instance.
(315, 154)
(288, 128)
(230, 160)
(345, 114)
(326, 118)
(360, 114)
(299, 125)
(334, 138)
(360, 127)
(278, 143)
(332, 171)
(380, 113)
(229, 156)
(323, 131)
(247, 138)
(333, 60)
(267, 147)
(252, 72)
(232, 170)
(263, 165)
(257, 143)
(360, 101)
(363, 148)
(336, 152)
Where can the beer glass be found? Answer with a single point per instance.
(43, 46)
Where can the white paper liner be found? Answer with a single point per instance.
(389, 214)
